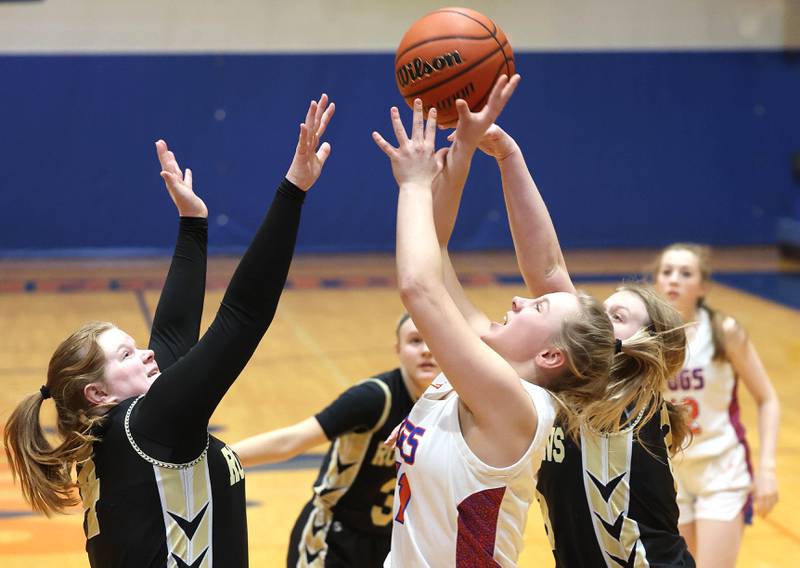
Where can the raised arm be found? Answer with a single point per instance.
(178, 406)
(487, 385)
(176, 324)
(535, 241)
(448, 186)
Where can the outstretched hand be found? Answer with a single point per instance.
(179, 184)
(471, 126)
(308, 160)
(415, 160)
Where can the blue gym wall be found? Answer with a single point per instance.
(630, 147)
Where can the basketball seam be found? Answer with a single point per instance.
(457, 75)
(479, 103)
(438, 38)
(492, 33)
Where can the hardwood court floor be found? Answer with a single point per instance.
(333, 328)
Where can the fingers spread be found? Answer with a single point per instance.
(326, 118)
(430, 127)
(302, 141)
(310, 114)
(323, 153)
(417, 127)
(387, 148)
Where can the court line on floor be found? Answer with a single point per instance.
(312, 347)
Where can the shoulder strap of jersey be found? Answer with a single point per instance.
(387, 405)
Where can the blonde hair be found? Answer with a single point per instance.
(44, 471)
(587, 342)
(703, 255)
(640, 371)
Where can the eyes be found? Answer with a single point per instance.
(684, 273)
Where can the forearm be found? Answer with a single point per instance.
(476, 318)
(258, 281)
(176, 324)
(187, 394)
(419, 262)
(539, 255)
(269, 447)
(449, 188)
(768, 421)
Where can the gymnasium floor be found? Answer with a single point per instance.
(334, 327)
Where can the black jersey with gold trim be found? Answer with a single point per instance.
(355, 485)
(611, 500)
(174, 517)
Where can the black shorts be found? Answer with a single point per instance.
(344, 547)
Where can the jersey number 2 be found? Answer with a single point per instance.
(405, 496)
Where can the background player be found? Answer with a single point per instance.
(348, 522)
(715, 482)
(158, 490)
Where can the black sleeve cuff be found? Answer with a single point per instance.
(291, 191)
(193, 223)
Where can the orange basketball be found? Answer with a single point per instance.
(450, 54)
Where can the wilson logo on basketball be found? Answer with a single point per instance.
(419, 68)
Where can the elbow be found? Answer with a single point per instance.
(411, 287)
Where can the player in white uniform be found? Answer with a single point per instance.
(470, 448)
(714, 473)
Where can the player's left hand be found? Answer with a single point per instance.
(308, 160)
(765, 493)
(415, 161)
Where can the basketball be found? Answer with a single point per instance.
(451, 54)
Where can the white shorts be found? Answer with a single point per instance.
(715, 488)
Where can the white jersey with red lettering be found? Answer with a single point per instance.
(450, 508)
(708, 388)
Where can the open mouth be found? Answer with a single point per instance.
(152, 373)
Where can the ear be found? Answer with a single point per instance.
(95, 393)
(549, 359)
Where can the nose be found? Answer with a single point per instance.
(426, 352)
(148, 355)
(519, 303)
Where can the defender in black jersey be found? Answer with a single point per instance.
(611, 501)
(348, 521)
(158, 490)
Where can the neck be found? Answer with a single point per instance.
(690, 314)
(413, 390)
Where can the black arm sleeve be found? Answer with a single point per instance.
(176, 410)
(176, 324)
(358, 409)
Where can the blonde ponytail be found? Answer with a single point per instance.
(45, 471)
(640, 371)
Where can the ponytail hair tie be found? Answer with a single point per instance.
(45, 392)
(617, 346)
